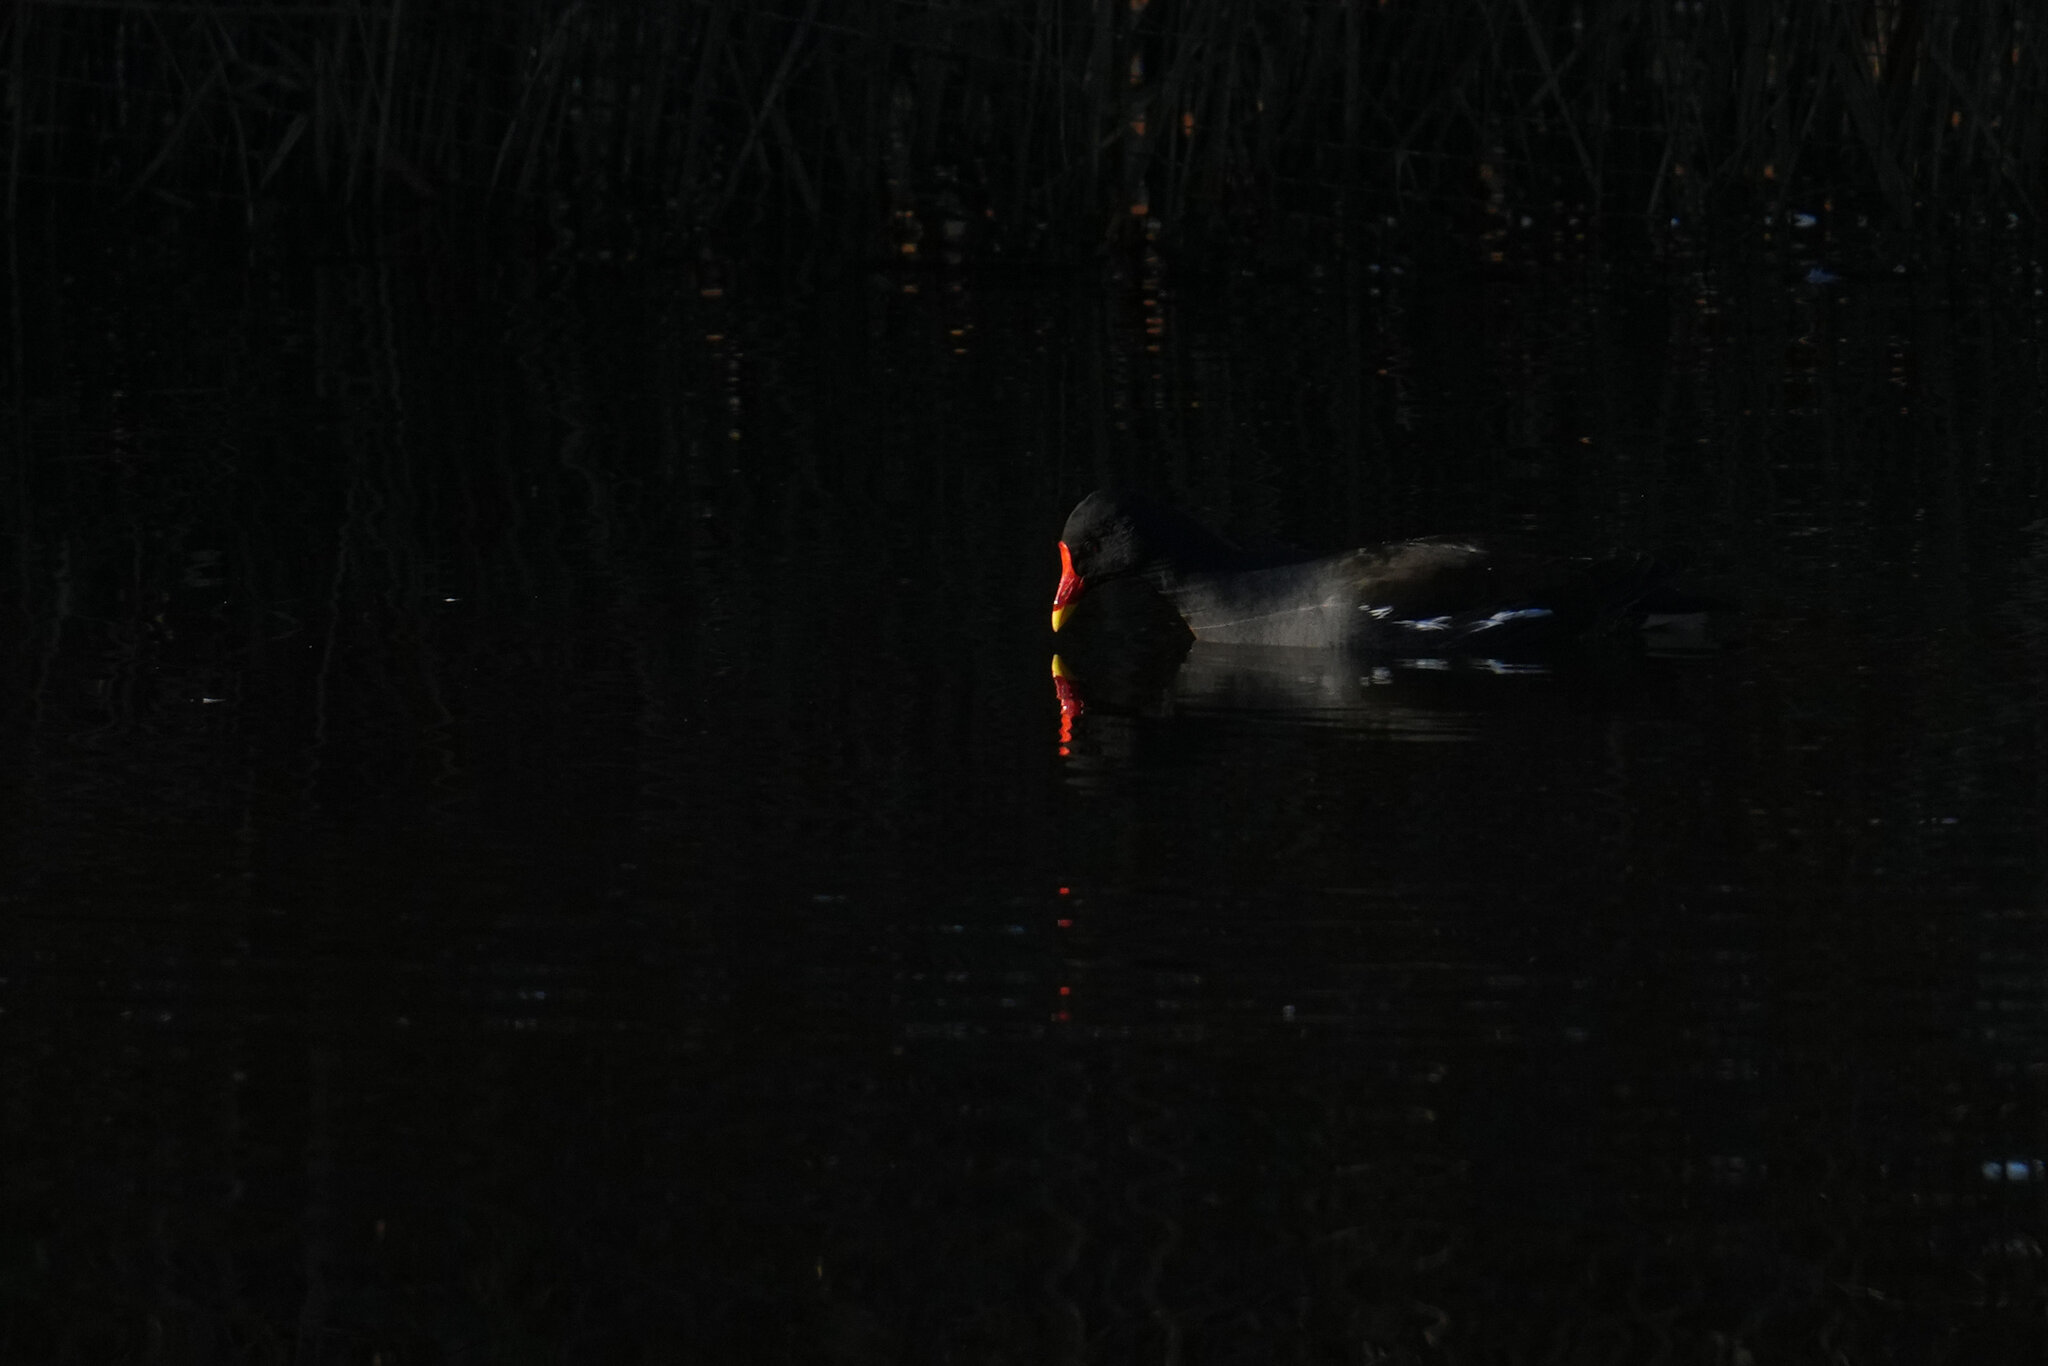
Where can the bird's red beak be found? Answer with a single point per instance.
(1070, 587)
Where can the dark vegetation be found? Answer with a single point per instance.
(1020, 128)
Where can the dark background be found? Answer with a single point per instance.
(537, 827)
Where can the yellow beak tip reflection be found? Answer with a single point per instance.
(1059, 614)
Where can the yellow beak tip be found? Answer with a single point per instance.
(1059, 614)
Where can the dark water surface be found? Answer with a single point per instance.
(537, 825)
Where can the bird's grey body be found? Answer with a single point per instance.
(1429, 596)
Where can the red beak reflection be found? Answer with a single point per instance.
(1070, 703)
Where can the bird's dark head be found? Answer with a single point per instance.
(1112, 534)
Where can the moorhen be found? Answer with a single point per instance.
(1436, 595)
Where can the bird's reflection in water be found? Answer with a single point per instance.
(1416, 698)
(1404, 698)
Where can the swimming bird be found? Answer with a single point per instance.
(1434, 595)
